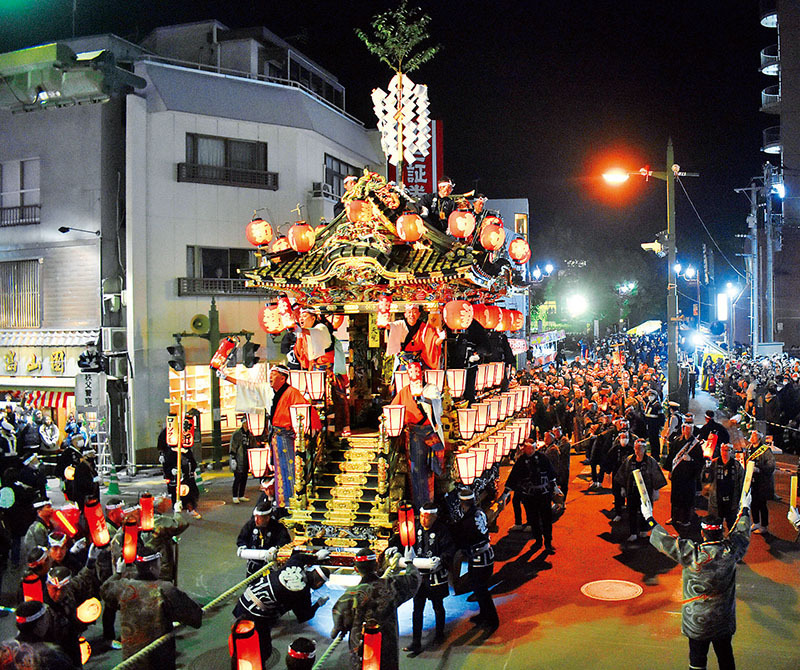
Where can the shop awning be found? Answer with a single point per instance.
(47, 338)
(55, 399)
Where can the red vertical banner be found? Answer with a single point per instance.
(420, 177)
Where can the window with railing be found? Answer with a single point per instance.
(19, 294)
(218, 262)
(226, 161)
(19, 192)
(335, 172)
(521, 224)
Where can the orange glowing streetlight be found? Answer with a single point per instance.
(616, 176)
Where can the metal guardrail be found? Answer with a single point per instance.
(250, 75)
(227, 176)
(22, 215)
(771, 139)
(201, 286)
(771, 99)
(770, 60)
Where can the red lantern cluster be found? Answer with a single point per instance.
(519, 250)
(461, 223)
(487, 315)
(280, 244)
(269, 318)
(258, 232)
(458, 314)
(506, 320)
(493, 235)
(409, 227)
(301, 237)
(517, 320)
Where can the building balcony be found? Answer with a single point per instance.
(227, 176)
(24, 215)
(769, 13)
(771, 100)
(771, 140)
(770, 61)
(194, 286)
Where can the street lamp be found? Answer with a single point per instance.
(690, 275)
(618, 176)
(67, 229)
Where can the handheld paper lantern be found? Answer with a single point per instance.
(466, 422)
(96, 521)
(301, 237)
(493, 236)
(146, 511)
(395, 418)
(358, 210)
(519, 250)
(465, 461)
(184, 490)
(32, 587)
(280, 244)
(458, 314)
(130, 541)
(456, 380)
(244, 646)
(223, 351)
(315, 384)
(461, 223)
(371, 646)
(258, 232)
(66, 519)
(89, 610)
(258, 459)
(710, 445)
(298, 412)
(435, 377)
(256, 420)
(269, 319)
(409, 227)
(86, 649)
(405, 524)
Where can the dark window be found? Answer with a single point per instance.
(335, 172)
(19, 294)
(217, 262)
(221, 160)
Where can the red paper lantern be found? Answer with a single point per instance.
(337, 321)
(258, 232)
(86, 649)
(66, 519)
(458, 314)
(130, 541)
(371, 641)
(491, 317)
(89, 610)
(223, 351)
(96, 521)
(517, 320)
(461, 223)
(146, 511)
(301, 237)
(358, 210)
(280, 244)
(405, 524)
(506, 319)
(32, 587)
(244, 646)
(269, 318)
(409, 227)
(519, 250)
(492, 236)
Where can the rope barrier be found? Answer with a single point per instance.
(144, 651)
(328, 651)
(771, 423)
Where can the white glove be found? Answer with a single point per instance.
(436, 563)
(647, 509)
(623, 493)
(94, 550)
(402, 562)
(175, 472)
(656, 495)
(558, 491)
(474, 358)
(233, 464)
(321, 601)
(79, 546)
(390, 551)
(272, 552)
(794, 517)
(747, 499)
(322, 554)
(254, 554)
(120, 565)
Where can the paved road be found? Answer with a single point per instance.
(546, 621)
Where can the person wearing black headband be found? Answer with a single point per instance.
(375, 598)
(708, 611)
(148, 606)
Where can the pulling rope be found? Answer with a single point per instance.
(337, 640)
(139, 655)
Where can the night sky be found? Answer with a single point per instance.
(537, 99)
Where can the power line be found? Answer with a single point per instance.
(708, 232)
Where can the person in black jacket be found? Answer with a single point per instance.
(436, 208)
(534, 478)
(262, 532)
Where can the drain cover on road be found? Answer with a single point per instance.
(611, 589)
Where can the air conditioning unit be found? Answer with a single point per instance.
(114, 340)
(118, 367)
(321, 190)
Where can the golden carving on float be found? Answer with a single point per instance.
(346, 492)
(348, 506)
(340, 542)
(355, 466)
(351, 480)
(360, 455)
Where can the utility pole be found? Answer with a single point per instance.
(769, 270)
(672, 282)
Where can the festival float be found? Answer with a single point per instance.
(357, 271)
